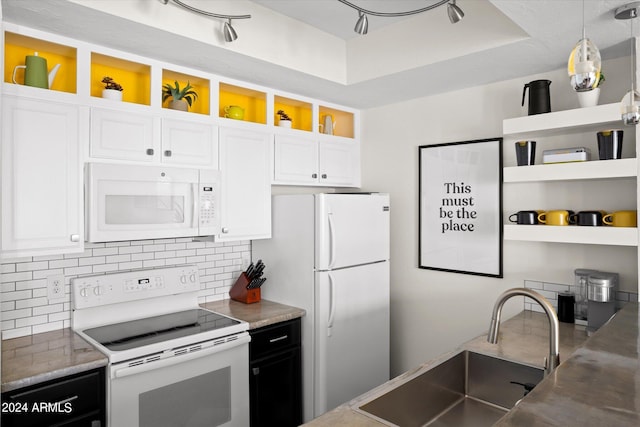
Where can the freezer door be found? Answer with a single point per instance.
(351, 229)
(351, 332)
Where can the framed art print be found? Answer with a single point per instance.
(460, 207)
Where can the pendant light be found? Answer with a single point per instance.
(584, 64)
(629, 108)
(454, 12)
(362, 26)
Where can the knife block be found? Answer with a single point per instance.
(239, 291)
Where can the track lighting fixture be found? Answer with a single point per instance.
(227, 30)
(453, 10)
(362, 26)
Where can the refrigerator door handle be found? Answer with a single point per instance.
(332, 304)
(332, 238)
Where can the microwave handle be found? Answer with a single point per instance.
(194, 205)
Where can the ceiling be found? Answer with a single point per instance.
(497, 40)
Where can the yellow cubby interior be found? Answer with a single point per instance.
(200, 86)
(135, 78)
(343, 121)
(253, 102)
(17, 47)
(301, 112)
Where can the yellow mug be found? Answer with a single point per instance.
(559, 217)
(621, 219)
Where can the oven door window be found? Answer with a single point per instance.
(204, 400)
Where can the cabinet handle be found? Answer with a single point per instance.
(324, 176)
(284, 337)
(256, 371)
(75, 237)
(150, 151)
(315, 175)
(63, 401)
(167, 153)
(225, 230)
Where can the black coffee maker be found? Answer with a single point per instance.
(539, 97)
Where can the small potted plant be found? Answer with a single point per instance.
(112, 90)
(285, 120)
(181, 99)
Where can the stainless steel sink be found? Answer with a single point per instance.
(468, 389)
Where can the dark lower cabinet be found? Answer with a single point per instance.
(275, 375)
(74, 401)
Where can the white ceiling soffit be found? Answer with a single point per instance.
(308, 46)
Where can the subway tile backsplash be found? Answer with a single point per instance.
(551, 290)
(26, 309)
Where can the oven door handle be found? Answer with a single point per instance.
(173, 360)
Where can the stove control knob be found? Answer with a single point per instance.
(98, 290)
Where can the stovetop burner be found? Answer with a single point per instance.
(156, 329)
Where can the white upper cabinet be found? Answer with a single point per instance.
(119, 135)
(339, 162)
(313, 161)
(246, 189)
(189, 143)
(42, 209)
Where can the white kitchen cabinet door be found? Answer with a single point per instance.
(339, 162)
(246, 184)
(295, 160)
(41, 178)
(189, 143)
(122, 135)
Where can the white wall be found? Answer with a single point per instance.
(433, 312)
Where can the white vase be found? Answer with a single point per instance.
(113, 94)
(284, 123)
(589, 98)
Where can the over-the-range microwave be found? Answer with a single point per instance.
(135, 202)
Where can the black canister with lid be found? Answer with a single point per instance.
(565, 307)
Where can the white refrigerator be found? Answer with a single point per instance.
(329, 254)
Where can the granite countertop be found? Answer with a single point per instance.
(523, 338)
(37, 358)
(258, 314)
(41, 357)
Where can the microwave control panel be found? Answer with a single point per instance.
(209, 202)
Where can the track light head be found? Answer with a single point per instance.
(454, 12)
(362, 26)
(228, 31)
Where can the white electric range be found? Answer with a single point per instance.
(171, 362)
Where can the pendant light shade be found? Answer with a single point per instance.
(454, 12)
(629, 107)
(584, 66)
(362, 26)
(228, 31)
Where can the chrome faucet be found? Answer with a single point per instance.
(553, 360)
